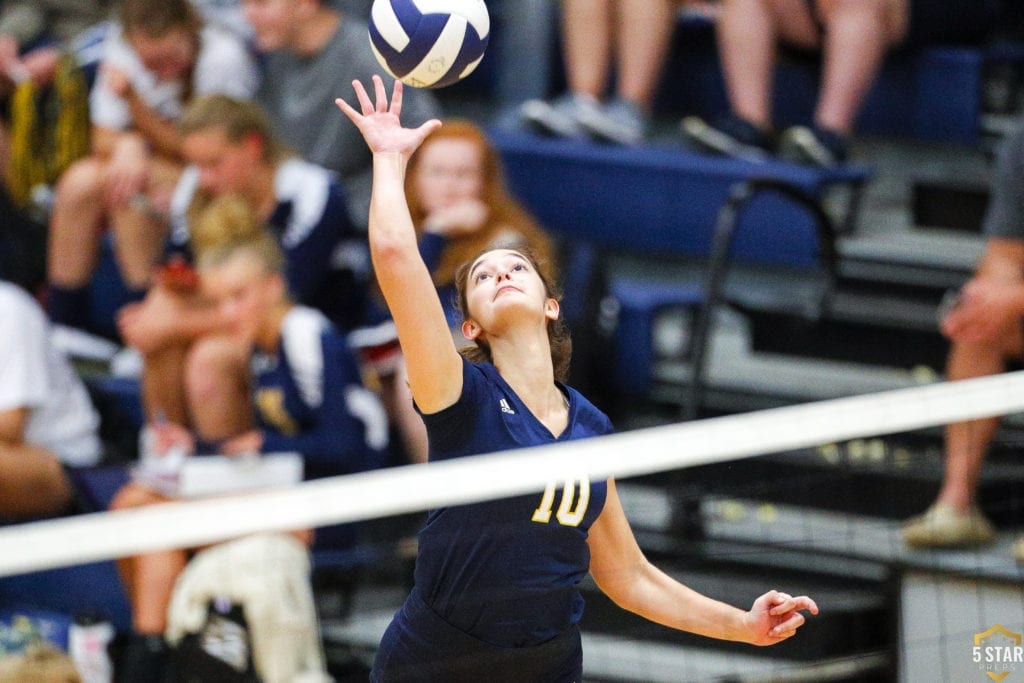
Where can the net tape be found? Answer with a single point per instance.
(100, 536)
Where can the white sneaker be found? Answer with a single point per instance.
(943, 526)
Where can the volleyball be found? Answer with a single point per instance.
(429, 43)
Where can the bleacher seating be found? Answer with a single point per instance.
(931, 94)
(664, 203)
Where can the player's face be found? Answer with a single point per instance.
(242, 292)
(169, 56)
(224, 166)
(450, 171)
(273, 22)
(503, 286)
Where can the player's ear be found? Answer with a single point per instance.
(552, 309)
(470, 330)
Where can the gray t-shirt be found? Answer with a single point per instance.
(1005, 214)
(299, 92)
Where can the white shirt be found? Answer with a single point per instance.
(224, 65)
(34, 375)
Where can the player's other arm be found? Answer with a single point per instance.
(632, 582)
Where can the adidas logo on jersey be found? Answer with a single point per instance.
(505, 408)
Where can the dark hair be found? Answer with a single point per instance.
(558, 334)
(156, 18)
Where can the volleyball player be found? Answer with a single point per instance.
(495, 594)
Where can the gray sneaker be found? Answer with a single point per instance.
(619, 122)
(728, 136)
(942, 526)
(560, 118)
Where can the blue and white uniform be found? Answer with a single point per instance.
(309, 399)
(496, 594)
(328, 259)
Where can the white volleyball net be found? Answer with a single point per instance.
(806, 498)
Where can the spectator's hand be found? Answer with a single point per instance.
(169, 435)
(245, 443)
(986, 309)
(462, 218)
(151, 324)
(116, 80)
(776, 616)
(380, 124)
(41, 65)
(10, 63)
(128, 171)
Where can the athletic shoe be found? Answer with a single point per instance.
(619, 122)
(813, 146)
(1018, 549)
(560, 118)
(943, 526)
(729, 136)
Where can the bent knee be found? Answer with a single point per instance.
(84, 178)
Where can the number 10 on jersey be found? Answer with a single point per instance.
(575, 498)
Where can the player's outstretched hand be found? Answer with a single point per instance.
(380, 122)
(776, 616)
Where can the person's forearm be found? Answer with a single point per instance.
(161, 134)
(659, 598)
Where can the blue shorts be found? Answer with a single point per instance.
(421, 647)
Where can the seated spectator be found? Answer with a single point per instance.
(304, 395)
(632, 35)
(312, 51)
(233, 152)
(158, 58)
(853, 37)
(461, 207)
(47, 421)
(984, 328)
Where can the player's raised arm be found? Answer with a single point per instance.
(435, 374)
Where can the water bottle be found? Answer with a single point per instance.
(89, 638)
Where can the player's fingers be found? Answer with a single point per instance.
(364, 99)
(792, 624)
(428, 127)
(381, 94)
(347, 110)
(396, 98)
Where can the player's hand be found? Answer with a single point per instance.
(988, 309)
(461, 218)
(380, 122)
(152, 324)
(116, 80)
(243, 444)
(41, 65)
(128, 171)
(776, 616)
(169, 435)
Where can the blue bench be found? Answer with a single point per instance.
(663, 202)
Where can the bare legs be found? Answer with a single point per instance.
(636, 32)
(32, 482)
(967, 443)
(857, 34)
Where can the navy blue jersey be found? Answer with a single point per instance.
(328, 264)
(506, 571)
(309, 399)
